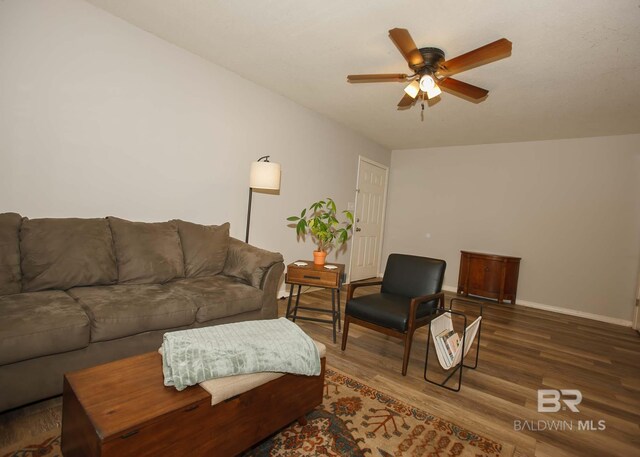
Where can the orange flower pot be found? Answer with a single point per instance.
(319, 257)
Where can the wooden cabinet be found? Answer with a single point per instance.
(488, 275)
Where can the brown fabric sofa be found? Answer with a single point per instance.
(80, 292)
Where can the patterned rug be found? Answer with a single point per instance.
(354, 420)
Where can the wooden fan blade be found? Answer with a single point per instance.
(406, 101)
(393, 77)
(461, 88)
(489, 53)
(407, 47)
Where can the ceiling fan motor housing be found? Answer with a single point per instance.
(432, 58)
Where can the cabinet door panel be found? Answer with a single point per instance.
(484, 275)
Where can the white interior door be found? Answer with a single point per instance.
(371, 197)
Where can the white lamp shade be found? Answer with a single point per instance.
(433, 92)
(412, 89)
(264, 175)
(426, 83)
(429, 86)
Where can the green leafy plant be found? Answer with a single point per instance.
(321, 222)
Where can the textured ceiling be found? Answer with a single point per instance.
(573, 71)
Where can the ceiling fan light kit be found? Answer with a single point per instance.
(433, 73)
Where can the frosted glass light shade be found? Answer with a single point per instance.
(264, 175)
(412, 89)
(428, 85)
(433, 92)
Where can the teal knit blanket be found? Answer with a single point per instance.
(196, 355)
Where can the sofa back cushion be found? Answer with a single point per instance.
(205, 248)
(147, 253)
(10, 253)
(65, 253)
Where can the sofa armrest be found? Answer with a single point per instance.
(249, 263)
(259, 268)
(270, 286)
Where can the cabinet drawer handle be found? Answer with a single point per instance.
(190, 408)
(311, 277)
(129, 434)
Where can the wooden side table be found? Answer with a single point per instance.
(315, 276)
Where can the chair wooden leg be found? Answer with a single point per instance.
(345, 332)
(407, 351)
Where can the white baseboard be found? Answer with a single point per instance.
(560, 310)
(282, 293)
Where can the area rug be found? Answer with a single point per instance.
(353, 420)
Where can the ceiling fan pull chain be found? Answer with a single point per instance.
(422, 110)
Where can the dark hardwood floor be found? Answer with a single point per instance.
(522, 350)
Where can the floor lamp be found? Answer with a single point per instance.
(264, 175)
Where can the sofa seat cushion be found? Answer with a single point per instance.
(36, 324)
(65, 253)
(10, 254)
(218, 296)
(125, 310)
(147, 252)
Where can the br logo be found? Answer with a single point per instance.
(550, 400)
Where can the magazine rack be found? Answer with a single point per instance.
(441, 320)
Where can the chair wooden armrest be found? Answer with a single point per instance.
(415, 301)
(351, 287)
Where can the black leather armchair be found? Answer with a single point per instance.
(411, 289)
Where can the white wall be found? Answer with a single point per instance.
(569, 208)
(100, 118)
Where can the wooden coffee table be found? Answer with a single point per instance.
(123, 409)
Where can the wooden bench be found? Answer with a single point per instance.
(123, 409)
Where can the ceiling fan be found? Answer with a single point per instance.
(431, 71)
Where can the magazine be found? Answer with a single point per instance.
(443, 340)
(442, 346)
(452, 341)
(448, 342)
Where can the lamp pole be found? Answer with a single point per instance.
(264, 175)
(246, 238)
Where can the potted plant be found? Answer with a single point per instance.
(320, 221)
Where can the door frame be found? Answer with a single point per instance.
(361, 159)
(636, 315)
